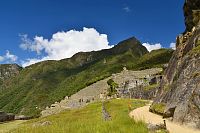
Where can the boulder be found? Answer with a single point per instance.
(45, 123)
(6, 117)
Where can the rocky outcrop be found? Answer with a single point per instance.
(180, 87)
(8, 70)
(191, 12)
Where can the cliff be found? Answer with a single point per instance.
(179, 92)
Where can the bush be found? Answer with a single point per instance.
(112, 87)
(158, 108)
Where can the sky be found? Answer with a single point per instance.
(36, 30)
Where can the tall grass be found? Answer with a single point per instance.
(89, 120)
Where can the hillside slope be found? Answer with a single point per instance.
(42, 84)
(89, 119)
(180, 88)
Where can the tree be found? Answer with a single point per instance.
(112, 87)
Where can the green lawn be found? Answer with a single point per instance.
(5, 127)
(89, 120)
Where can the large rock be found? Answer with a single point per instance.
(180, 87)
(6, 117)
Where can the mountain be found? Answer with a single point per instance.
(179, 95)
(44, 83)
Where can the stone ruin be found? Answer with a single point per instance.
(134, 88)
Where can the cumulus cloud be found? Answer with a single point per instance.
(1, 58)
(173, 45)
(8, 57)
(64, 44)
(151, 47)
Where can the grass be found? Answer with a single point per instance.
(45, 83)
(195, 51)
(158, 108)
(5, 127)
(42, 84)
(150, 87)
(156, 58)
(89, 120)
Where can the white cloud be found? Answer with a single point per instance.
(127, 9)
(8, 57)
(173, 45)
(64, 44)
(1, 58)
(151, 47)
(28, 44)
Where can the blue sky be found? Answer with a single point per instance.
(150, 21)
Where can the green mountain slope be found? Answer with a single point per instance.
(42, 84)
(156, 58)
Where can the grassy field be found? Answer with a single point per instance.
(89, 120)
(5, 127)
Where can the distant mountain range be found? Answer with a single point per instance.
(29, 90)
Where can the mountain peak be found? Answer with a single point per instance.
(131, 44)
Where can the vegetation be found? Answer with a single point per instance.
(112, 87)
(156, 58)
(166, 87)
(195, 50)
(89, 120)
(6, 127)
(42, 84)
(150, 87)
(158, 108)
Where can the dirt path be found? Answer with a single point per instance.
(7, 127)
(144, 114)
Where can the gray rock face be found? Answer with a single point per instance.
(180, 87)
(8, 70)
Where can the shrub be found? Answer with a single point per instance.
(158, 108)
(112, 87)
